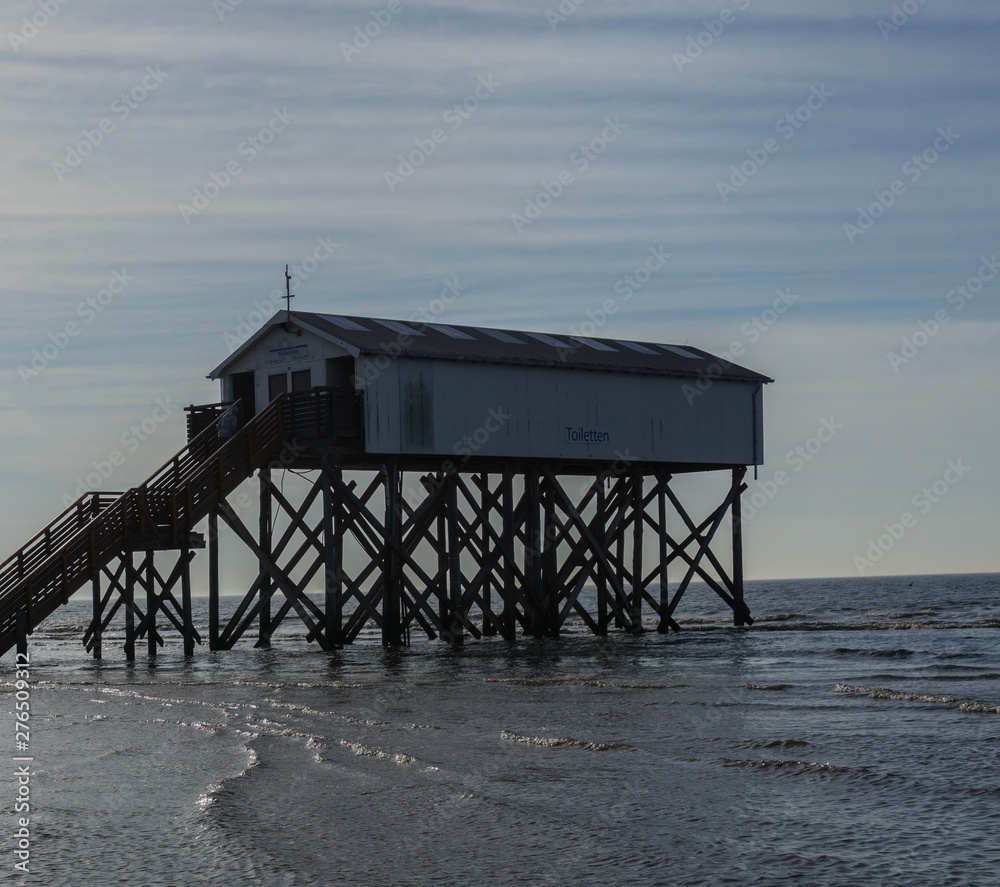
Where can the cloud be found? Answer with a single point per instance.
(323, 175)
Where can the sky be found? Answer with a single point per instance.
(162, 162)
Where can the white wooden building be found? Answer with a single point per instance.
(442, 390)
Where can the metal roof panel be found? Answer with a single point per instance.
(425, 340)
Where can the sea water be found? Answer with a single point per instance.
(850, 737)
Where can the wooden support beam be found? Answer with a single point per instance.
(265, 586)
(599, 530)
(508, 619)
(713, 522)
(533, 547)
(130, 577)
(454, 632)
(275, 574)
(440, 544)
(189, 632)
(601, 559)
(551, 533)
(160, 599)
(666, 622)
(104, 618)
(473, 558)
(486, 505)
(638, 511)
(213, 580)
(391, 543)
(152, 605)
(741, 613)
(333, 554)
(95, 624)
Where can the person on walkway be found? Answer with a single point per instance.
(230, 423)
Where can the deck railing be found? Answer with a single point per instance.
(331, 415)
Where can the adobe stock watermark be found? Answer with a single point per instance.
(580, 160)
(713, 29)
(122, 108)
(922, 502)
(912, 344)
(624, 288)
(225, 7)
(786, 127)
(454, 117)
(899, 16)
(371, 30)
(463, 449)
(913, 170)
(265, 309)
(32, 27)
(751, 331)
(23, 762)
(753, 502)
(561, 13)
(250, 149)
(241, 500)
(375, 366)
(88, 311)
(130, 440)
(621, 465)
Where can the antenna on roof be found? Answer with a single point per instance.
(288, 301)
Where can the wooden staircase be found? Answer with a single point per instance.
(161, 513)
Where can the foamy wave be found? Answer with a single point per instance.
(772, 687)
(215, 790)
(896, 695)
(211, 729)
(368, 751)
(795, 767)
(868, 625)
(560, 742)
(573, 681)
(298, 709)
(982, 708)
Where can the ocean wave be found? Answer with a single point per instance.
(984, 708)
(762, 624)
(297, 708)
(897, 653)
(777, 617)
(368, 751)
(801, 768)
(204, 726)
(771, 687)
(775, 743)
(216, 790)
(577, 681)
(896, 695)
(964, 704)
(560, 742)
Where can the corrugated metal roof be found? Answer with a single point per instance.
(371, 335)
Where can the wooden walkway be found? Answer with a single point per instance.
(99, 527)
